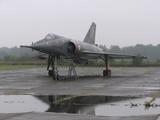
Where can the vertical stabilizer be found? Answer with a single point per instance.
(90, 37)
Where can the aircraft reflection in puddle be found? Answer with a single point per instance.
(91, 105)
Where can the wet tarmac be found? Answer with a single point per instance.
(86, 105)
(129, 92)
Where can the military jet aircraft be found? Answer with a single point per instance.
(79, 52)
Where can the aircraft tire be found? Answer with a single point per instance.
(50, 73)
(109, 73)
(58, 77)
(54, 77)
(106, 73)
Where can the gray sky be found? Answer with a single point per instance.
(119, 22)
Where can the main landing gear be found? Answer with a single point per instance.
(53, 61)
(54, 72)
(107, 72)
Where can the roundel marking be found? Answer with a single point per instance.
(79, 47)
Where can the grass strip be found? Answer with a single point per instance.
(12, 67)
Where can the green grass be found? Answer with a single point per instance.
(12, 67)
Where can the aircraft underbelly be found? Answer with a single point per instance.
(91, 56)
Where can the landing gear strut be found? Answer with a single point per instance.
(107, 72)
(54, 72)
(52, 61)
(72, 69)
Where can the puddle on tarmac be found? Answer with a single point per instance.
(89, 105)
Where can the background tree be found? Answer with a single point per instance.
(137, 62)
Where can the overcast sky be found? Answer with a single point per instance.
(119, 22)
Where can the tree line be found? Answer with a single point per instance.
(15, 52)
(150, 51)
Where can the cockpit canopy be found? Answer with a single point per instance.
(52, 36)
(49, 37)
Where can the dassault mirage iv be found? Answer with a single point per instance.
(57, 47)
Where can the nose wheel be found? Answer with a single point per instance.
(50, 72)
(54, 72)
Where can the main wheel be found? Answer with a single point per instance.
(104, 73)
(107, 73)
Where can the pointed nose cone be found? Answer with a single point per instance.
(37, 47)
(33, 46)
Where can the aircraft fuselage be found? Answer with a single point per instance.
(60, 46)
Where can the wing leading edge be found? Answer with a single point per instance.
(114, 55)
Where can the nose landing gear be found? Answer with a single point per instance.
(54, 72)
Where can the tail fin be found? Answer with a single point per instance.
(90, 37)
